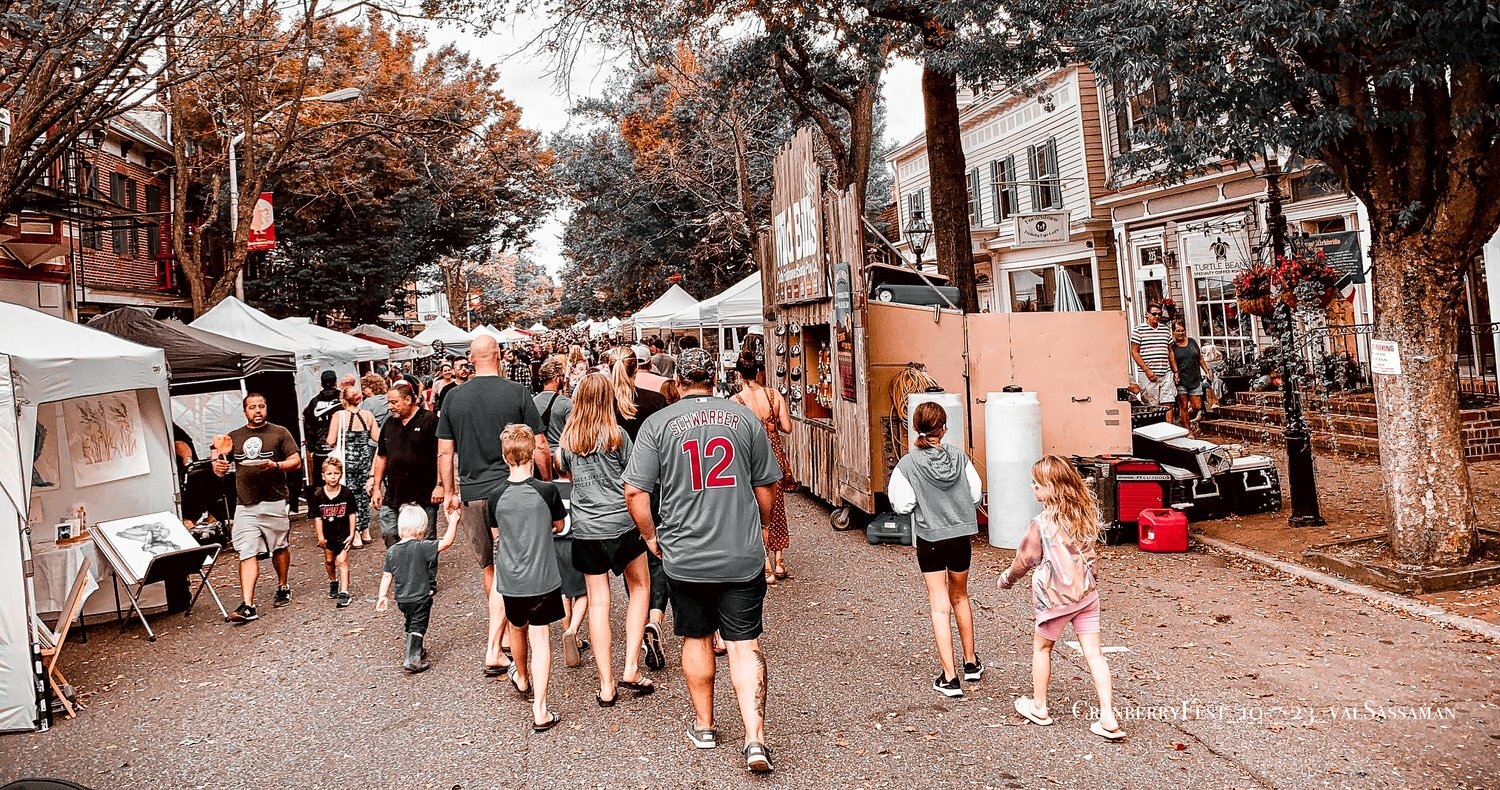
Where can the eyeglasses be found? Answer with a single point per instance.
(1154, 315)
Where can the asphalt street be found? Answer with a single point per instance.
(1232, 676)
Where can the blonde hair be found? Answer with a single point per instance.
(517, 443)
(931, 422)
(591, 425)
(575, 355)
(411, 522)
(1070, 503)
(623, 373)
(351, 395)
(335, 463)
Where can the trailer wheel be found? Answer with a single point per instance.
(839, 519)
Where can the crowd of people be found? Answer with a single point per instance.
(563, 464)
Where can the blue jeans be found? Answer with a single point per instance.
(388, 523)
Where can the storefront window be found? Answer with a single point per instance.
(1037, 290)
(1218, 318)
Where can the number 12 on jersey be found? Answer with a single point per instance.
(719, 451)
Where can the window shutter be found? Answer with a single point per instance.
(1122, 119)
(1035, 177)
(1054, 172)
(974, 198)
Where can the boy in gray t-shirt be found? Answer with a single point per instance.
(411, 567)
(524, 514)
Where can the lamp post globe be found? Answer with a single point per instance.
(918, 234)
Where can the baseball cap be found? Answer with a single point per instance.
(641, 352)
(756, 329)
(695, 363)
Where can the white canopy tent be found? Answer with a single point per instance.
(233, 318)
(338, 342)
(738, 305)
(441, 329)
(44, 361)
(537, 327)
(675, 300)
(402, 348)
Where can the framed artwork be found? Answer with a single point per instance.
(136, 540)
(46, 473)
(106, 440)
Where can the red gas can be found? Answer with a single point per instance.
(1163, 530)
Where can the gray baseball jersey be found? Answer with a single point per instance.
(703, 456)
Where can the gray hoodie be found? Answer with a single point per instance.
(940, 488)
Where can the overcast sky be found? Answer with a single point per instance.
(544, 102)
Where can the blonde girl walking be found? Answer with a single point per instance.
(1061, 545)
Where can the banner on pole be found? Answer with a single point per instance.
(262, 225)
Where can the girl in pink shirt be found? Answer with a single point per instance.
(1060, 544)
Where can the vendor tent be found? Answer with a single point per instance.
(45, 360)
(537, 327)
(233, 318)
(675, 300)
(338, 344)
(402, 348)
(442, 330)
(210, 374)
(740, 304)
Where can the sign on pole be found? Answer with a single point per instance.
(262, 225)
(1341, 251)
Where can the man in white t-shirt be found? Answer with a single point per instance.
(1151, 348)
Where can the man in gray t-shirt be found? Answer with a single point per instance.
(710, 464)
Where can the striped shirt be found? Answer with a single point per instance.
(1155, 345)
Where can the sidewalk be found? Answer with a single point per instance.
(1235, 677)
(1351, 501)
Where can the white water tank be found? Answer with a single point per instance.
(952, 403)
(1013, 442)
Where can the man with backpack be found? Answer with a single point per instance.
(316, 417)
(552, 403)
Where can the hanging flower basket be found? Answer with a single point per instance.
(1324, 299)
(1298, 271)
(1257, 305)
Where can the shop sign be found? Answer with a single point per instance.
(1218, 253)
(797, 224)
(1043, 229)
(1341, 251)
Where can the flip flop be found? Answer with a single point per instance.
(496, 670)
(515, 684)
(548, 724)
(641, 687)
(571, 656)
(1109, 735)
(606, 703)
(1027, 708)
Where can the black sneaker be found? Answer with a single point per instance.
(344, 599)
(974, 671)
(242, 614)
(283, 597)
(948, 688)
(655, 658)
(333, 589)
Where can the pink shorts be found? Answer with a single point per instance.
(1085, 621)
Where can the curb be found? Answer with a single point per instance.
(1411, 606)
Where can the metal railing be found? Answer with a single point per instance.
(1338, 357)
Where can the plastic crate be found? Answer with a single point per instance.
(1148, 415)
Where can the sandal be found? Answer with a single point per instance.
(606, 703)
(516, 684)
(770, 579)
(720, 650)
(641, 687)
(546, 725)
(496, 670)
(781, 571)
(1027, 708)
(1099, 729)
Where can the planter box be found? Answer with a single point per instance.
(1367, 560)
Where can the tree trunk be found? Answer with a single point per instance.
(1427, 491)
(950, 188)
(862, 137)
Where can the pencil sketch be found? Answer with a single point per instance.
(105, 439)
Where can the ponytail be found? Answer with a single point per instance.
(931, 422)
(624, 385)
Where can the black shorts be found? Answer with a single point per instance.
(525, 610)
(952, 555)
(593, 557)
(734, 609)
(338, 542)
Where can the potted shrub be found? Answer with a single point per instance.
(1306, 277)
(1252, 290)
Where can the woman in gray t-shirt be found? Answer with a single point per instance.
(594, 449)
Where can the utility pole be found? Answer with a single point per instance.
(1301, 478)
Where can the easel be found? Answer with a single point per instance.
(173, 569)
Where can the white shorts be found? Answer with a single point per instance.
(1162, 392)
(260, 529)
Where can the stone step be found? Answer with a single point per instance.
(1344, 444)
(1352, 425)
(1358, 404)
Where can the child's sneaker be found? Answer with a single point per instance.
(948, 688)
(974, 671)
(344, 599)
(333, 589)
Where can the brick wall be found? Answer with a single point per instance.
(1481, 430)
(124, 260)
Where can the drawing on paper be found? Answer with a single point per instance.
(137, 540)
(106, 440)
(45, 472)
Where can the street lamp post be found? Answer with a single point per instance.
(1301, 480)
(339, 96)
(918, 234)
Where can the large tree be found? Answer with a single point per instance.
(1402, 102)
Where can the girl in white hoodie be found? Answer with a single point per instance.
(938, 485)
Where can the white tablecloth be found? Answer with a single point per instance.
(55, 567)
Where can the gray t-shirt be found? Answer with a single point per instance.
(522, 515)
(412, 565)
(702, 457)
(598, 499)
(561, 406)
(473, 417)
(378, 406)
